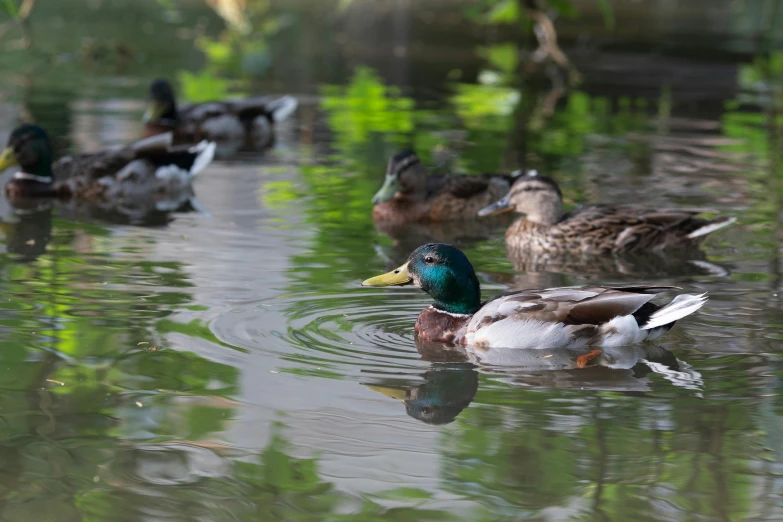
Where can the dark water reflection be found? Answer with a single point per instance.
(226, 365)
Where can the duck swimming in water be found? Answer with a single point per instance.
(233, 125)
(545, 228)
(150, 170)
(409, 194)
(588, 317)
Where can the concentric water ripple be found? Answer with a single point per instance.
(350, 332)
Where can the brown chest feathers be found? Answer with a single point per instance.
(436, 326)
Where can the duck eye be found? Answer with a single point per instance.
(429, 260)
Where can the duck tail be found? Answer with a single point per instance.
(282, 108)
(205, 151)
(681, 306)
(712, 226)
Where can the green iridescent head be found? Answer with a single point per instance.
(29, 147)
(443, 272)
(161, 103)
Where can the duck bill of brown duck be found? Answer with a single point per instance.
(500, 206)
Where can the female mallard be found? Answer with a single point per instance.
(589, 317)
(409, 195)
(147, 170)
(233, 125)
(596, 229)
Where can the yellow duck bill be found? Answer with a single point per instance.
(498, 207)
(7, 159)
(154, 111)
(397, 277)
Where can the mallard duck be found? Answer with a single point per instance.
(233, 125)
(147, 170)
(409, 195)
(589, 317)
(596, 229)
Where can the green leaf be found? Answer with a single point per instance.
(607, 12)
(203, 86)
(11, 8)
(504, 12)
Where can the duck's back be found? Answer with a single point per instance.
(92, 166)
(619, 229)
(563, 317)
(453, 196)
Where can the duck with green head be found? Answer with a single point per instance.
(409, 194)
(147, 171)
(589, 317)
(29, 148)
(234, 125)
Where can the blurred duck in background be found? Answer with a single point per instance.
(148, 172)
(234, 125)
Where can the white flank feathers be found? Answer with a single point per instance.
(681, 306)
(283, 107)
(206, 150)
(529, 334)
(712, 227)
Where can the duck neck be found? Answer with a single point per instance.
(546, 215)
(460, 296)
(39, 170)
(171, 115)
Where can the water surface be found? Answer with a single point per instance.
(227, 365)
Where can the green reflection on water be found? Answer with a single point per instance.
(97, 426)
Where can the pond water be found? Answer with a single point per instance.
(227, 365)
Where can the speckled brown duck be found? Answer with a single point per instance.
(410, 194)
(545, 228)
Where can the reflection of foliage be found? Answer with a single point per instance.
(366, 107)
(99, 41)
(749, 119)
(367, 118)
(276, 486)
(81, 379)
(240, 53)
(622, 453)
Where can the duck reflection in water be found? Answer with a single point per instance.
(28, 231)
(546, 271)
(446, 391)
(450, 387)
